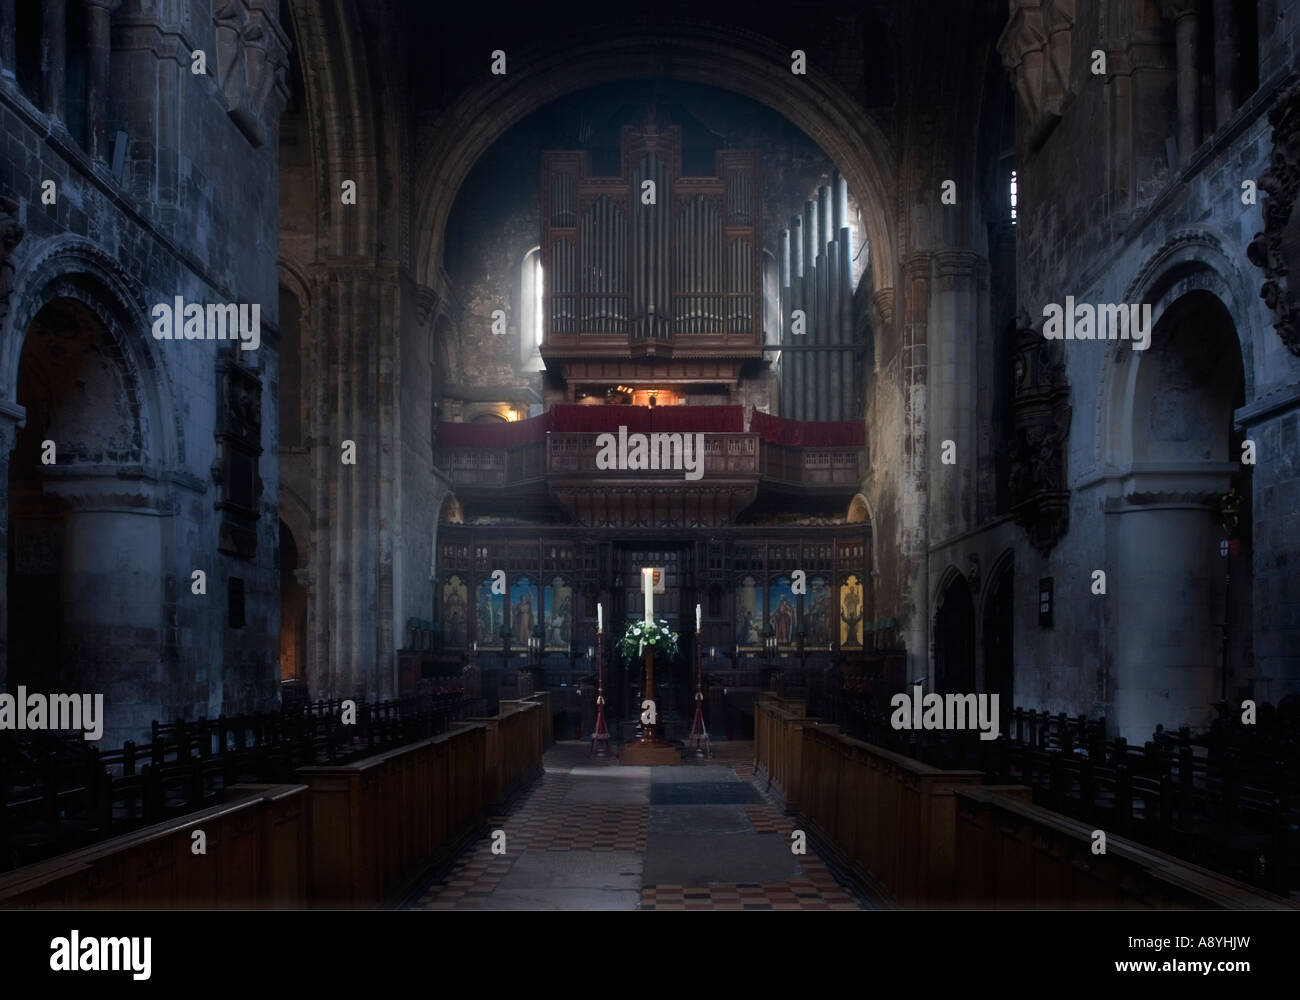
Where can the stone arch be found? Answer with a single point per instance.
(445, 348)
(69, 268)
(348, 120)
(953, 635)
(1173, 450)
(451, 511)
(996, 622)
(296, 515)
(743, 62)
(860, 512)
(1189, 261)
(88, 576)
(294, 607)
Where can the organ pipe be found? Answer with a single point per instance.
(834, 359)
(841, 210)
(847, 388)
(797, 301)
(810, 262)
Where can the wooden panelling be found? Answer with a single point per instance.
(351, 835)
(919, 836)
(255, 846)
(379, 821)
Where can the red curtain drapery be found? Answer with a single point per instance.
(809, 433)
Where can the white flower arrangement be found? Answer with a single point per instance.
(640, 634)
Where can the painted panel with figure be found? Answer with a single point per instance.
(784, 611)
(749, 614)
(455, 612)
(524, 611)
(559, 614)
(851, 613)
(489, 616)
(818, 603)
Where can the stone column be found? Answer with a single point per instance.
(1186, 46)
(98, 46)
(12, 417)
(355, 505)
(951, 386)
(914, 502)
(111, 594)
(1226, 55)
(54, 53)
(1165, 650)
(8, 39)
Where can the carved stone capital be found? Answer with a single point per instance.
(1173, 10)
(883, 298)
(426, 302)
(252, 56)
(1276, 251)
(13, 418)
(956, 263)
(1035, 47)
(11, 234)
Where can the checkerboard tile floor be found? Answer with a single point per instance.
(546, 819)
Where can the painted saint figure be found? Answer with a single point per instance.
(783, 618)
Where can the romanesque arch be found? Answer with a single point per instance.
(1174, 453)
(742, 62)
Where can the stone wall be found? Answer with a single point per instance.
(192, 215)
(1110, 218)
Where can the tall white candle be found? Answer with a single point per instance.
(697, 618)
(647, 583)
(600, 622)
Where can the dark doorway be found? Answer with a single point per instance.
(954, 639)
(999, 635)
(293, 613)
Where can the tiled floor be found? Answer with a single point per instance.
(595, 835)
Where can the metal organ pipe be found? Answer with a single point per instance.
(807, 387)
(834, 378)
(841, 205)
(848, 389)
(823, 384)
(794, 407)
(783, 281)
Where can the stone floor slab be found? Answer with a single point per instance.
(702, 793)
(714, 773)
(699, 819)
(563, 899)
(694, 859)
(546, 870)
(634, 792)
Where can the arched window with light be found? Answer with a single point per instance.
(532, 321)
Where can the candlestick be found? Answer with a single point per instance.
(697, 618)
(599, 619)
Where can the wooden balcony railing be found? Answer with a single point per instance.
(725, 455)
(494, 467)
(812, 465)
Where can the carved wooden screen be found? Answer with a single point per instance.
(651, 261)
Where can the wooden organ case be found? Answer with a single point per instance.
(650, 264)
